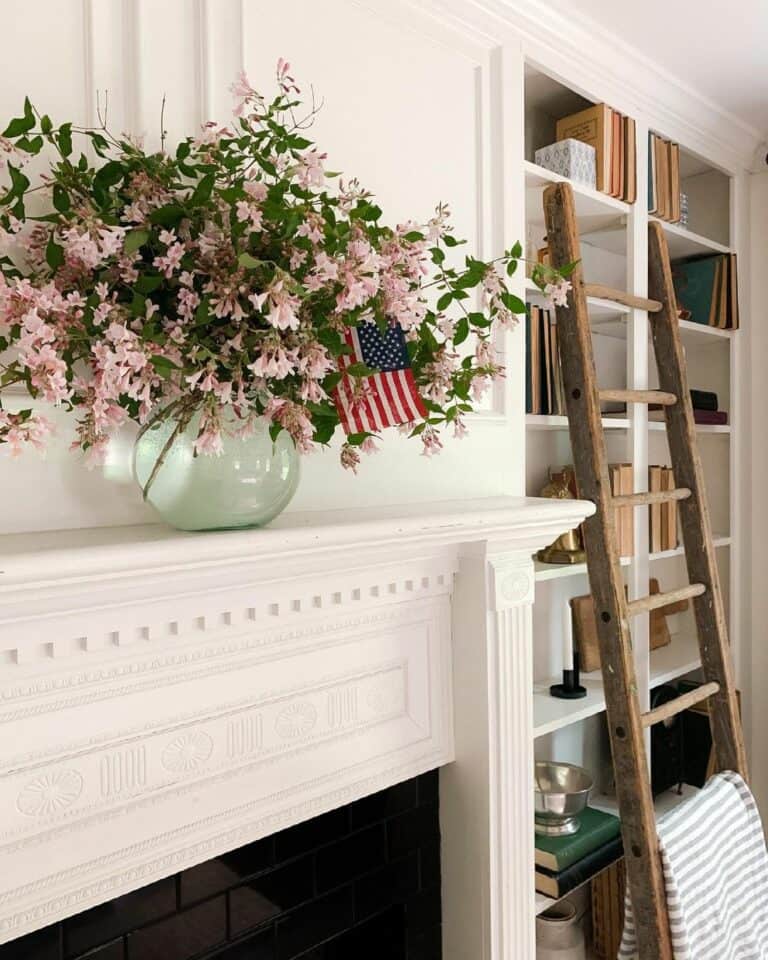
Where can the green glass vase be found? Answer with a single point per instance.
(248, 485)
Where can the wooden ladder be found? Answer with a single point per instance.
(613, 611)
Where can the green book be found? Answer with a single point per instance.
(596, 829)
(696, 287)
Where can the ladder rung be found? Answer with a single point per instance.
(683, 702)
(621, 296)
(657, 496)
(655, 600)
(640, 396)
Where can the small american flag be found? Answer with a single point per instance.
(391, 396)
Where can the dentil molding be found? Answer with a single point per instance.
(166, 697)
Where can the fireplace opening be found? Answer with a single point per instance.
(361, 882)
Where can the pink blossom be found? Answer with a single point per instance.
(170, 262)
(242, 91)
(295, 419)
(350, 458)
(557, 293)
(431, 440)
(285, 80)
(282, 308)
(310, 170)
(256, 190)
(274, 362)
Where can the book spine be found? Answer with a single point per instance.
(711, 417)
(704, 400)
(581, 871)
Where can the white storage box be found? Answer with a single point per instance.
(569, 158)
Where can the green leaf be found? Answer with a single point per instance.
(450, 241)
(28, 145)
(203, 191)
(163, 366)
(331, 381)
(568, 269)
(21, 125)
(511, 267)
(135, 239)
(324, 430)
(19, 183)
(45, 124)
(445, 300)
(249, 262)
(148, 282)
(60, 198)
(109, 175)
(516, 251)
(138, 305)
(413, 236)
(65, 139)
(356, 439)
(461, 332)
(54, 254)
(167, 216)
(511, 302)
(360, 370)
(438, 256)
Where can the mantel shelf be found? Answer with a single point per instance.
(111, 552)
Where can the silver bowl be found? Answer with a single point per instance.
(561, 791)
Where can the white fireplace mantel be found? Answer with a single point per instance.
(166, 697)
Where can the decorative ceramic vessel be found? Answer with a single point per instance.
(251, 482)
(561, 791)
(558, 933)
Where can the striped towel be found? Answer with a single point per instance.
(716, 876)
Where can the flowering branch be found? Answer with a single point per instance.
(227, 274)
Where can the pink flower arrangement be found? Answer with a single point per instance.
(225, 274)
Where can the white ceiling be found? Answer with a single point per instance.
(719, 49)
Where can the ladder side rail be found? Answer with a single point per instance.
(694, 511)
(606, 583)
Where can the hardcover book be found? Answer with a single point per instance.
(593, 126)
(556, 885)
(596, 828)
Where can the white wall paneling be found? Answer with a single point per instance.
(434, 127)
(201, 705)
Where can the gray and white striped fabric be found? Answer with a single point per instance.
(716, 876)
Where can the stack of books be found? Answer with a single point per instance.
(705, 409)
(613, 137)
(621, 483)
(564, 863)
(662, 517)
(664, 178)
(544, 391)
(707, 290)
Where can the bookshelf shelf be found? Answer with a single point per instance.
(684, 243)
(613, 237)
(703, 428)
(600, 311)
(557, 571)
(668, 663)
(596, 212)
(538, 421)
(718, 539)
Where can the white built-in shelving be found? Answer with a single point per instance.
(613, 238)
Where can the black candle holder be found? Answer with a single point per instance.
(570, 688)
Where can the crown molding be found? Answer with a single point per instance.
(603, 64)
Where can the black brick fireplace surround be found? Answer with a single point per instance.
(358, 883)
